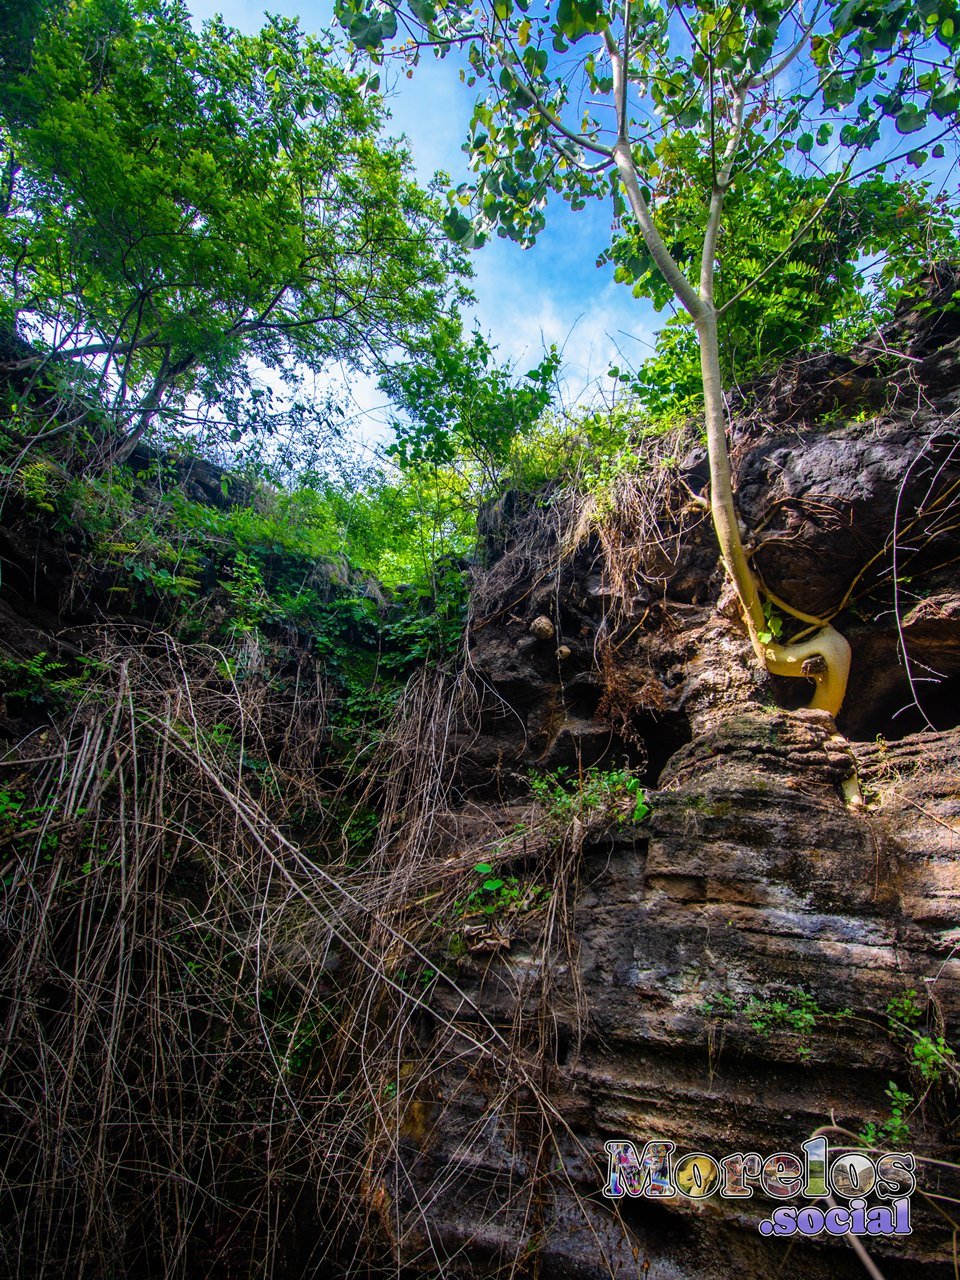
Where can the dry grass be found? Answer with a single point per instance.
(637, 519)
(224, 1028)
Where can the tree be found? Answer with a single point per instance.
(20, 20)
(458, 400)
(185, 208)
(820, 294)
(588, 99)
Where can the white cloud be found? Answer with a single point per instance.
(526, 305)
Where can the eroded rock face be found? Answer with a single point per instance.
(667, 1001)
(750, 879)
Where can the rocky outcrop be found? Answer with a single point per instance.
(729, 971)
(751, 893)
(750, 880)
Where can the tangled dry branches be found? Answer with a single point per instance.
(229, 1032)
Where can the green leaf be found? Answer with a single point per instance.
(910, 119)
(805, 143)
(457, 227)
(423, 11)
(689, 118)
(945, 104)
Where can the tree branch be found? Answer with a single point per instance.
(758, 81)
(720, 187)
(579, 139)
(623, 155)
(111, 349)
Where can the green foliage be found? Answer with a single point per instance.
(820, 295)
(158, 581)
(594, 792)
(928, 1054)
(531, 132)
(588, 448)
(30, 679)
(301, 1037)
(405, 530)
(41, 682)
(720, 1005)
(747, 120)
(184, 202)
(281, 558)
(501, 894)
(20, 20)
(19, 820)
(256, 571)
(931, 1056)
(247, 594)
(461, 404)
(429, 624)
(783, 1009)
(360, 832)
(795, 1010)
(774, 619)
(905, 1008)
(40, 481)
(894, 1132)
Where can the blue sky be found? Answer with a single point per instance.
(526, 298)
(552, 293)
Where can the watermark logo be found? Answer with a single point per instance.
(656, 1172)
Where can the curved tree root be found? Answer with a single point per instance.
(824, 658)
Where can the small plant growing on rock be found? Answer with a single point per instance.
(501, 894)
(789, 1009)
(928, 1054)
(796, 1011)
(595, 792)
(894, 1132)
(931, 1055)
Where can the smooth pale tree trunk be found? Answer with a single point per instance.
(824, 656)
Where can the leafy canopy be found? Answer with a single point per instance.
(828, 82)
(460, 403)
(183, 204)
(833, 284)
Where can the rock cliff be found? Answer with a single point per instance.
(392, 1012)
(731, 960)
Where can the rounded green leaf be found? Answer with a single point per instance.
(910, 119)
